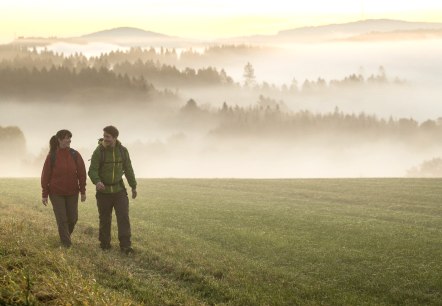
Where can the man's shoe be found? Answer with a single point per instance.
(127, 250)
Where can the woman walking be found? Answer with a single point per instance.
(62, 178)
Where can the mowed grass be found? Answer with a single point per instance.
(233, 242)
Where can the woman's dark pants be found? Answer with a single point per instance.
(66, 213)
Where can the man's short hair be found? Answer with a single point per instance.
(111, 130)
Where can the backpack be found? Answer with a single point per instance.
(102, 161)
(122, 153)
(74, 155)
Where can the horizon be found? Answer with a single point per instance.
(128, 27)
(194, 19)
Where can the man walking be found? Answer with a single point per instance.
(109, 162)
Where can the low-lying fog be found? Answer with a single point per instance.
(164, 142)
(417, 61)
(177, 145)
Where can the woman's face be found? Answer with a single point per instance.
(65, 142)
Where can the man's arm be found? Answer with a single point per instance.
(81, 172)
(94, 167)
(129, 171)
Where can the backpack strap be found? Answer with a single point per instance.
(73, 153)
(123, 155)
(101, 159)
(53, 157)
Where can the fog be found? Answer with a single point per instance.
(87, 49)
(175, 139)
(415, 62)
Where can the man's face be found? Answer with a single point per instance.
(109, 140)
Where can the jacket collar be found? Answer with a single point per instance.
(101, 143)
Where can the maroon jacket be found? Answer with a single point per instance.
(65, 177)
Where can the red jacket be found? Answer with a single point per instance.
(65, 177)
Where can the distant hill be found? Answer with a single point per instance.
(360, 27)
(124, 33)
(364, 30)
(398, 35)
(123, 36)
(132, 37)
(340, 31)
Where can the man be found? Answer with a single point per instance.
(109, 162)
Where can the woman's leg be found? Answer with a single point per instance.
(59, 207)
(72, 211)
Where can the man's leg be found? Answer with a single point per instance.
(72, 211)
(59, 207)
(122, 211)
(104, 204)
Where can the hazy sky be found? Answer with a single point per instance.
(197, 18)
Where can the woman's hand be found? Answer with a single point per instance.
(83, 197)
(44, 201)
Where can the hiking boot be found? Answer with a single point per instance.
(127, 250)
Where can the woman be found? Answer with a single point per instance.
(62, 178)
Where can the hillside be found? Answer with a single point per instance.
(232, 242)
(132, 37)
(122, 36)
(342, 31)
(122, 33)
(397, 35)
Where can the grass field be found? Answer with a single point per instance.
(233, 242)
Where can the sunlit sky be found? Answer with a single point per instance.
(197, 18)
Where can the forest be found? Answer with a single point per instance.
(26, 71)
(170, 103)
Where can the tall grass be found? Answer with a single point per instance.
(233, 242)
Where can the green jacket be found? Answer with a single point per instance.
(110, 170)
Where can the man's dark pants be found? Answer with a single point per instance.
(106, 202)
(66, 213)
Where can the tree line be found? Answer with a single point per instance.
(428, 168)
(144, 68)
(270, 118)
(61, 79)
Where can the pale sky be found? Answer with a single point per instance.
(197, 18)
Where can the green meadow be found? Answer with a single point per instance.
(232, 242)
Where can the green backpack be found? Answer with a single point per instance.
(122, 153)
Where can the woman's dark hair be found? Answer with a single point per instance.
(53, 142)
(111, 130)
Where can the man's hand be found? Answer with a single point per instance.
(134, 193)
(83, 197)
(100, 186)
(44, 201)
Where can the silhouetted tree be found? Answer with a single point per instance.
(429, 168)
(249, 75)
(12, 142)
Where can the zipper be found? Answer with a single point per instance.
(67, 167)
(113, 169)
